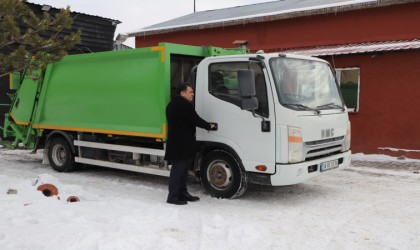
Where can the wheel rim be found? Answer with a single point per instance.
(59, 155)
(219, 175)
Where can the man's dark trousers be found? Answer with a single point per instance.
(178, 179)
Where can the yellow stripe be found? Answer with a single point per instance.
(162, 50)
(164, 130)
(18, 122)
(103, 131)
(10, 81)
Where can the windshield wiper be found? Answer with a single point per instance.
(331, 105)
(302, 107)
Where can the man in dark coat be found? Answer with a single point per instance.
(180, 146)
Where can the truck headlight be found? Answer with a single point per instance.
(348, 138)
(295, 144)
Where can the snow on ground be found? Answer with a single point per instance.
(358, 208)
(380, 158)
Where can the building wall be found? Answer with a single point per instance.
(385, 23)
(389, 92)
(389, 104)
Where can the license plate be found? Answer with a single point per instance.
(325, 166)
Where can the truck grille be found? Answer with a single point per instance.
(314, 143)
(323, 148)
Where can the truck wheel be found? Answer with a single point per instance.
(222, 176)
(60, 155)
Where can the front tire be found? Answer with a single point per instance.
(222, 176)
(60, 155)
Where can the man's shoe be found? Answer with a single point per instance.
(177, 201)
(188, 197)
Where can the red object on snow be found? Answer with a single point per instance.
(48, 190)
(73, 199)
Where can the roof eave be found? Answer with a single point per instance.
(356, 48)
(265, 18)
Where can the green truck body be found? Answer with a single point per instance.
(114, 93)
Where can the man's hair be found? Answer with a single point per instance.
(182, 87)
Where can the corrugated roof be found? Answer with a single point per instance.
(355, 48)
(269, 11)
(75, 12)
(97, 33)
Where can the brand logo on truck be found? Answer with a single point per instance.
(326, 133)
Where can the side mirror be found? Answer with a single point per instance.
(246, 83)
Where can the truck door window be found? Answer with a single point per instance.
(260, 90)
(223, 83)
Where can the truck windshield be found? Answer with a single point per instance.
(305, 85)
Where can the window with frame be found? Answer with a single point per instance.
(181, 67)
(349, 80)
(223, 83)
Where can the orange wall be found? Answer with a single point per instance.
(386, 23)
(389, 105)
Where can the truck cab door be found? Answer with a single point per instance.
(218, 100)
(23, 106)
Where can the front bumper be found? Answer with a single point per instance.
(289, 174)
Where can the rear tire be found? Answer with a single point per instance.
(222, 176)
(60, 155)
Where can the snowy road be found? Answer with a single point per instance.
(358, 208)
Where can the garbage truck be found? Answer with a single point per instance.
(281, 118)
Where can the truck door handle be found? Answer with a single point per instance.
(265, 126)
(216, 126)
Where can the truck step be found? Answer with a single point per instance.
(147, 170)
(149, 151)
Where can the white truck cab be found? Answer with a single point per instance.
(292, 126)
